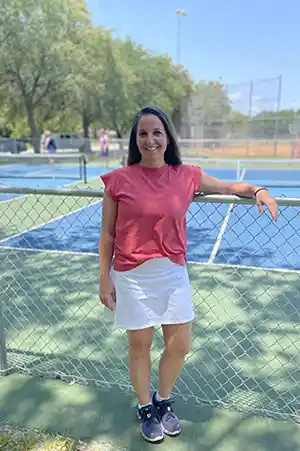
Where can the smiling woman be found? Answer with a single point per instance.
(142, 248)
(153, 139)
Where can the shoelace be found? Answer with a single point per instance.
(147, 414)
(165, 408)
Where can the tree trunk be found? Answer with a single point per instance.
(119, 133)
(33, 127)
(86, 121)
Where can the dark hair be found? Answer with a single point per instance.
(172, 153)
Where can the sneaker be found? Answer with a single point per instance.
(150, 425)
(169, 421)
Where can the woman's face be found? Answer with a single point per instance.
(152, 140)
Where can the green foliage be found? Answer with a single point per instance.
(60, 72)
(57, 70)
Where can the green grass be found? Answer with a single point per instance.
(17, 438)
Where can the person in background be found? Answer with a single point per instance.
(50, 146)
(104, 143)
(142, 256)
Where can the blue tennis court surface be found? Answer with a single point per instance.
(37, 176)
(217, 233)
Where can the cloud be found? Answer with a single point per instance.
(235, 96)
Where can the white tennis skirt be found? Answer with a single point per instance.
(155, 293)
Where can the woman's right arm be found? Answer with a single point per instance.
(106, 250)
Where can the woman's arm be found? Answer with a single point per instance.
(107, 235)
(214, 185)
(106, 251)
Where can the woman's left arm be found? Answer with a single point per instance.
(213, 185)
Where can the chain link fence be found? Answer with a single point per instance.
(244, 272)
(260, 145)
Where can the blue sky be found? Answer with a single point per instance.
(235, 40)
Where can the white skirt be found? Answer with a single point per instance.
(155, 293)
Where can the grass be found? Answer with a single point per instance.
(18, 438)
(13, 438)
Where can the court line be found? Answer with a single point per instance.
(189, 262)
(13, 198)
(21, 196)
(260, 268)
(48, 222)
(50, 251)
(223, 228)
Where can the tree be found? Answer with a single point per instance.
(135, 78)
(206, 111)
(38, 54)
(273, 125)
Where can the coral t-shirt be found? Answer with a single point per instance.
(151, 216)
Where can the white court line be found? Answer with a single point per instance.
(223, 228)
(21, 196)
(260, 268)
(190, 262)
(48, 222)
(49, 251)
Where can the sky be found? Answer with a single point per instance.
(235, 41)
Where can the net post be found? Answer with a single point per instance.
(3, 350)
(84, 169)
(80, 167)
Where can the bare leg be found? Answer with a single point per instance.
(177, 339)
(139, 362)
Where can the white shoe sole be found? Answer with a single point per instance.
(154, 440)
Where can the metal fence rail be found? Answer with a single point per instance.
(244, 273)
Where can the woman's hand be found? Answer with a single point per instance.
(107, 292)
(263, 198)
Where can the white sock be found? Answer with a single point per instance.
(159, 398)
(140, 406)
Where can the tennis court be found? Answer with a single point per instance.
(244, 272)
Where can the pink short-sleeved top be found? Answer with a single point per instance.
(151, 215)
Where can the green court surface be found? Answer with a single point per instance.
(107, 419)
(244, 357)
(245, 347)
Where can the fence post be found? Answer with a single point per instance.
(3, 353)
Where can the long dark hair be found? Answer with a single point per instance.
(172, 154)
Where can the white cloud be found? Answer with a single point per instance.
(235, 96)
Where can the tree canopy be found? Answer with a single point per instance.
(59, 71)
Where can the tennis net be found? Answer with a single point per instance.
(270, 173)
(36, 166)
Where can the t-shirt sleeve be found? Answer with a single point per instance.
(196, 175)
(110, 184)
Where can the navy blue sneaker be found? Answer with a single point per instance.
(150, 425)
(169, 421)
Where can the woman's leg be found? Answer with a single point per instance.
(177, 339)
(140, 369)
(139, 362)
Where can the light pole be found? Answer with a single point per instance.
(180, 13)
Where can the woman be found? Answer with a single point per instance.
(104, 142)
(144, 229)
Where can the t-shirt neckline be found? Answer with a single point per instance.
(153, 169)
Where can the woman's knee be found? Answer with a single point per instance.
(178, 339)
(140, 341)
